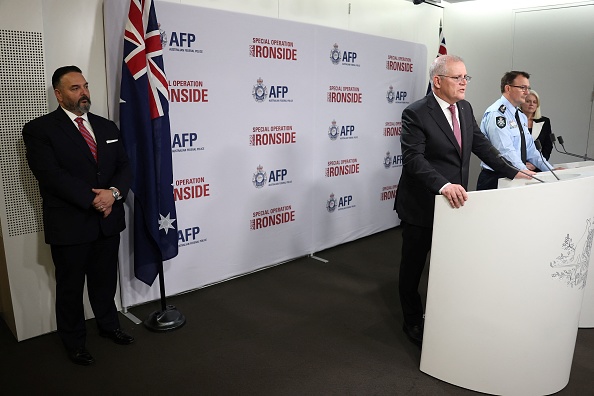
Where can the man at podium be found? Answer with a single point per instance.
(439, 132)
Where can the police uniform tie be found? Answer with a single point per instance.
(455, 125)
(522, 138)
(87, 136)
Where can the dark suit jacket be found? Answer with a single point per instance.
(432, 157)
(545, 137)
(66, 171)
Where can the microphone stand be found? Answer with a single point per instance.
(539, 148)
(554, 139)
(508, 164)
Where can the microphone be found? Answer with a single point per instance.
(554, 140)
(539, 148)
(496, 152)
(584, 157)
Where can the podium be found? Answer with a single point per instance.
(571, 170)
(506, 282)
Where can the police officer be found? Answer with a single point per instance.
(506, 127)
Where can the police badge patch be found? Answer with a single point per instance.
(500, 121)
(502, 109)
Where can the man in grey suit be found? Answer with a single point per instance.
(439, 132)
(83, 173)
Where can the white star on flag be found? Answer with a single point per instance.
(165, 223)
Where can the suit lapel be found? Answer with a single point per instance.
(441, 120)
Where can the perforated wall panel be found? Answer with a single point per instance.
(24, 97)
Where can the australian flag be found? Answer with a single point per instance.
(441, 51)
(144, 123)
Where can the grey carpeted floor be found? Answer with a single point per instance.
(301, 328)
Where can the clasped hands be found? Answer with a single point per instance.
(103, 201)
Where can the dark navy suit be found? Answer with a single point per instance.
(83, 242)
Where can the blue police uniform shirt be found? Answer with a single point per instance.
(499, 125)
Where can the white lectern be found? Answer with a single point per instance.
(506, 287)
(572, 170)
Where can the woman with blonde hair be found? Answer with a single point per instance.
(539, 126)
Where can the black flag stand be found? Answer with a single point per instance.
(168, 318)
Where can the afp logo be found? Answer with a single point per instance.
(259, 178)
(333, 131)
(181, 39)
(392, 161)
(343, 132)
(277, 93)
(184, 140)
(346, 57)
(188, 235)
(343, 202)
(331, 204)
(259, 91)
(276, 177)
(396, 96)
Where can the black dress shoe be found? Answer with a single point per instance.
(81, 356)
(414, 333)
(117, 336)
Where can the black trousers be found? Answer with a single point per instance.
(96, 261)
(487, 180)
(416, 244)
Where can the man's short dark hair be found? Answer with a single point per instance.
(57, 76)
(509, 77)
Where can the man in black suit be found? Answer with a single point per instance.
(439, 132)
(83, 174)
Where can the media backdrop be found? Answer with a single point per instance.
(285, 138)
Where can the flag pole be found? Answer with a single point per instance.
(168, 318)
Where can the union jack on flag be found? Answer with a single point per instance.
(144, 123)
(441, 51)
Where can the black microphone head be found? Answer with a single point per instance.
(553, 138)
(538, 145)
(560, 139)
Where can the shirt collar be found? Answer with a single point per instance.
(73, 116)
(508, 104)
(442, 103)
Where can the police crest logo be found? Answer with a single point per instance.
(162, 36)
(259, 178)
(500, 122)
(333, 131)
(390, 95)
(335, 55)
(259, 91)
(387, 160)
(331, 204)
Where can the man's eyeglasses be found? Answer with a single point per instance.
(458, 79)
(522, 87)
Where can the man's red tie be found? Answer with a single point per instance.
(87, 135)
(455, 125)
